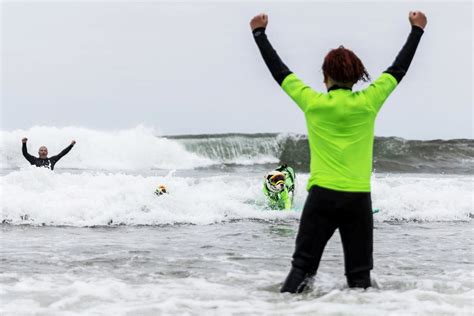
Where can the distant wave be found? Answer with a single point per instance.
(391, 154)
(140, 149)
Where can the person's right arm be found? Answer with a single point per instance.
(289, 82)
(400, 66)
(380, 89)
(24, 150)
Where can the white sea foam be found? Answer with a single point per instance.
(87, 199)
(202, 296)
(96, 199)
(256, 160)
(132, 149)
(423, 197)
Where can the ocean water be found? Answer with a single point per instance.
(92, 238)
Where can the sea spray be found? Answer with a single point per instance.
(98, 198)
(131, 149)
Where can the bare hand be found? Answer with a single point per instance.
(24, 140)
(417, 18)
(257, 21)
(73, 142)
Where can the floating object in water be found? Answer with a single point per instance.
(161, 190)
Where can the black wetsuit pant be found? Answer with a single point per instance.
(326, 210)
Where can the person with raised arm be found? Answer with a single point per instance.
(340, 126)
(43, 160)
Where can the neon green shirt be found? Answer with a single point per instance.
(340, 131)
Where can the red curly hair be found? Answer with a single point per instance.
(343, 66)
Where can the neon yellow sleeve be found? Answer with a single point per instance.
(379, 90)
(286, 199)
(303, 95)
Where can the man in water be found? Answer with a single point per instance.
(279, 188)
(43, 160)
(340, 127)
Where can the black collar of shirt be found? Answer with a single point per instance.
(335, 87)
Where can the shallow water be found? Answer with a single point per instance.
(92, 238)
(228, 268)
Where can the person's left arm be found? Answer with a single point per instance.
(63, 152)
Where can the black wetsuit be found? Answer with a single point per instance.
(45, 162)
(325, 209)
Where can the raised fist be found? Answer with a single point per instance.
(417, 18)
(73, 142)
(24, 140)
(257, 21)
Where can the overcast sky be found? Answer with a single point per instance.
(193, 67)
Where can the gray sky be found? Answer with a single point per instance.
(192, 67)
